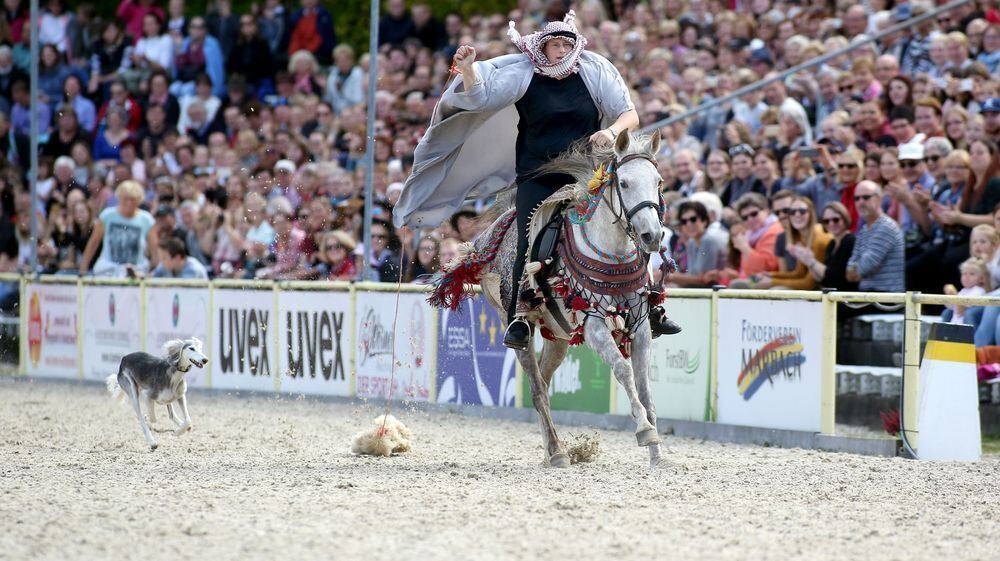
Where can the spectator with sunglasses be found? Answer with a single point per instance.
(744, 181)
(706, 254)
(756, 242)
(831, 271)
(877, 262)
(806, 241)
(837, 181)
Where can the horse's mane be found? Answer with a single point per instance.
(582, 158)
(579, 160)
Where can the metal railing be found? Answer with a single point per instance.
(713, 103)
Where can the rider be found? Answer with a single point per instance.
(561, 93)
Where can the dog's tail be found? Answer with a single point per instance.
(114, 389)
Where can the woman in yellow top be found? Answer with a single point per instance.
(804, 236)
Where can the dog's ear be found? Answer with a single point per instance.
(173, 347)
(196, 342)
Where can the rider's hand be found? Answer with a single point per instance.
(464, 57)
(602, 137)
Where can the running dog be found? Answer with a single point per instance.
(144, 377)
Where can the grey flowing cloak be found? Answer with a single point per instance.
(478, 128)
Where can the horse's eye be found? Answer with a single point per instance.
(624, 184)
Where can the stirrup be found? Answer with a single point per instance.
(515, 341)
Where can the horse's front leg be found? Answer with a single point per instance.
(641, 352)
(554, 454)
(599, 338)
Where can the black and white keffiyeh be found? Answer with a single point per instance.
(533, 45)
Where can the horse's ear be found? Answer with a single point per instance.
(621, 143)
(654, 143)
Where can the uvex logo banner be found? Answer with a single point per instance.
(112, 328)
(52, 331)
(412, 332)
(769, 363)
(177, 313)
(314, 342)
(243, 352)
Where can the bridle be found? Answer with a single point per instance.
(623, 218)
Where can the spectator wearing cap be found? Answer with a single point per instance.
(744, 181)
(761, 61)
(990, 110)
(284, 174)
(312, 30)
(877, 262)
(176, 264)
(907, 193)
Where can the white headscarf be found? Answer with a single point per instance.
(534, 46)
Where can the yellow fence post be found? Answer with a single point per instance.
(211, 335)
(22, 329)
(911, 371)
(276, 290)
(713, 357)
(828, 368)
(79, 327)
(352, 358)
(142, 316)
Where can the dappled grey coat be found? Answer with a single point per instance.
(479, 128)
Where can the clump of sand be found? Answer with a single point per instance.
(387, 436)
(584, 448)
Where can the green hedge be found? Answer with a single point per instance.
(350, 16)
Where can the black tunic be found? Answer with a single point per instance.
(553, 113)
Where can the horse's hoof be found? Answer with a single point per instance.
(647, 437)
(152, 447)
(559, 460)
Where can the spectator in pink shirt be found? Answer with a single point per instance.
(132, 11)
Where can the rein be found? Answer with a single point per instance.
(622, 215)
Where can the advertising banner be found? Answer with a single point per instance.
(414, 342)
(178, 313)
(769, 363)
(581, 383)
(473, 365)
(243, 353)
(314, 342)
(680, 365)
(111, 328)
(51, 334)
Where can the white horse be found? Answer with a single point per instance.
(595, 288)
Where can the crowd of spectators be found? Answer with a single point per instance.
(232, 144)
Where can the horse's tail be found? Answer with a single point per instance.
(453, 285)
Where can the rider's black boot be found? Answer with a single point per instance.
(660, 324)
(518, 335)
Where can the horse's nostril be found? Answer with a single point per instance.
(646, 238)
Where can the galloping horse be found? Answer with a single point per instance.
(594, 287)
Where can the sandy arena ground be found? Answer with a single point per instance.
(264, 478)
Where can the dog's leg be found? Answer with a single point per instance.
(186, 424)
(173, 417)
(126, 383)
(150, 410)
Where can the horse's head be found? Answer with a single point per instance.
(637, 189)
